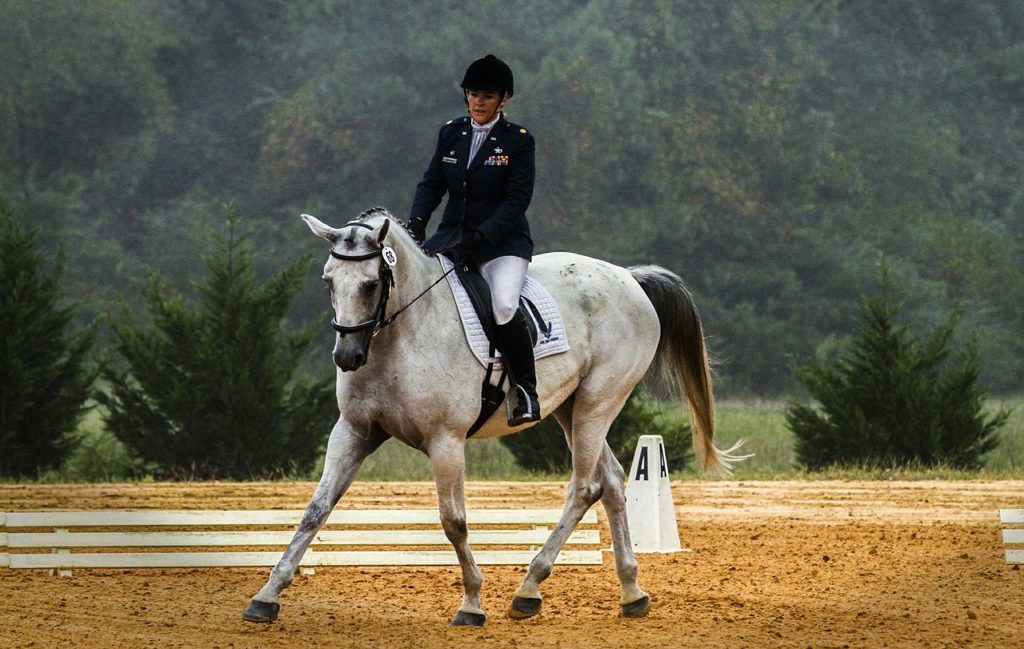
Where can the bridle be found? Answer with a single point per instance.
(386, 277)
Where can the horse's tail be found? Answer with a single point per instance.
(683, 359)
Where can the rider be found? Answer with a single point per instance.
(486, 165)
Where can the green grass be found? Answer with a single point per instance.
(1009, 455)
(762, 427)
(486, 459)
(760, 424)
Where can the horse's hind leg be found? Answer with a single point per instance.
(346, 451)
(448, 461)
(588, 429)
(634, 602)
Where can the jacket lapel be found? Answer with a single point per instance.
(461, 146)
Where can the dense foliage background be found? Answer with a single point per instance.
(769, 153)
(211, 389)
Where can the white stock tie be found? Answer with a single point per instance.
(480, 132)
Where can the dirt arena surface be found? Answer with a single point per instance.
(773, 564)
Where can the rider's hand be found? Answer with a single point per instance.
(418, 229)
(471, 240)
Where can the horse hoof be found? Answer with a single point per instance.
(464, 618)
(524, 607)
(258, 611)
(639, 608)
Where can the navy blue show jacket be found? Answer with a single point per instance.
(490, 196)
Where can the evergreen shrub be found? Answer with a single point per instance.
(45, 375)
(210, 389)
(543, 447)
(98, 456)
(890, 400)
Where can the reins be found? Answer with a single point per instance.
(394, 315)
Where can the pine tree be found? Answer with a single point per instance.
(891, 400)
(210, 390)
(45, 378)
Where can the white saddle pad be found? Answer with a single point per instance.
(550, 331)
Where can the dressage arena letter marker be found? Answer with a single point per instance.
(649, 508)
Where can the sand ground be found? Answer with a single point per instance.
(773, 564)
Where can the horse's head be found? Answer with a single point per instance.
(359, 277)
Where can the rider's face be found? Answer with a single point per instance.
(484, 104)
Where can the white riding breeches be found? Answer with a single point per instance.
(505, 276)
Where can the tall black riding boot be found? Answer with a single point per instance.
(517, 350)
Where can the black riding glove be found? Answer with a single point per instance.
(418, 229)
(471, 240)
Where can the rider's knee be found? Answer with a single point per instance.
(503, 313)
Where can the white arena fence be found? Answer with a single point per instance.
(152, 538)
(1013, 536)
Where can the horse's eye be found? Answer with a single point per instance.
(369, 287)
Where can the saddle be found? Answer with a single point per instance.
(479, 293)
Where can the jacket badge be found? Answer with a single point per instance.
(496, 161)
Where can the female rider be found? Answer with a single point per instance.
(486, 166)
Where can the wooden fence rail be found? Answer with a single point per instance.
(1013, 537)
(394, 537)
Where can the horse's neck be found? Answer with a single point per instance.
(424, 295)
(414, 273)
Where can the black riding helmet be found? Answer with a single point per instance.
(488, 73)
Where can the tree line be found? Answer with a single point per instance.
(208, 385)
(770, 153)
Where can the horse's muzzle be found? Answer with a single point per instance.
(350, 355)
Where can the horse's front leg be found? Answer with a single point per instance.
(447, 458)
(346, 450)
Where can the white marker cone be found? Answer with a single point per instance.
(649, 508)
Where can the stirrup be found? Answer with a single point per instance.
(527, 409)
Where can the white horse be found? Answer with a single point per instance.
(421, 385)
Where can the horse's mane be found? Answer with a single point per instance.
(384, 212)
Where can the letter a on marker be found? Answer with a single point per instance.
(649, 508)
(641, 465)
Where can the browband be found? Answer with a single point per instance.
(362, 257)
(366, 255)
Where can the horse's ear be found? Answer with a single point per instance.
(320, 229)
(383, 232)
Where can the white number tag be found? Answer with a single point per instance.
(390, 258)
